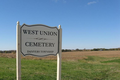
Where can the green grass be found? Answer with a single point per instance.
(92, 68)
(112, 61)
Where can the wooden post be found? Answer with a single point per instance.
(59, 55)
(18, 55)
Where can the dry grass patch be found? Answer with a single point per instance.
(78, 55)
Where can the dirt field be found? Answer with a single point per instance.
(69, 55)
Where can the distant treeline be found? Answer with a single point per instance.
(8, 51)
(95, 49)
(69, 50)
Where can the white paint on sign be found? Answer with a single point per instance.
(38, 40)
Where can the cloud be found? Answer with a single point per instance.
(93, 2)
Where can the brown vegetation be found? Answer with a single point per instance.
(69, 55)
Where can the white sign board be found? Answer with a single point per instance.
(38, 40)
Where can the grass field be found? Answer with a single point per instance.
(89, 65)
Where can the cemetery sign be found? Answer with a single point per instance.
(38, 40)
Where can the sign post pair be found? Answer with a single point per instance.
(38, 40)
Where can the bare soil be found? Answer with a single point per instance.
(69, 55)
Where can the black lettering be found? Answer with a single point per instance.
(41, 33)
(52, 44)
(30, 32)
(39, 44)
(25, 31)
(51, 33)
(45, 33)
(48, 33)
(55, 33)
(36, 32)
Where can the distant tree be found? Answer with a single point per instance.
(77, 49)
